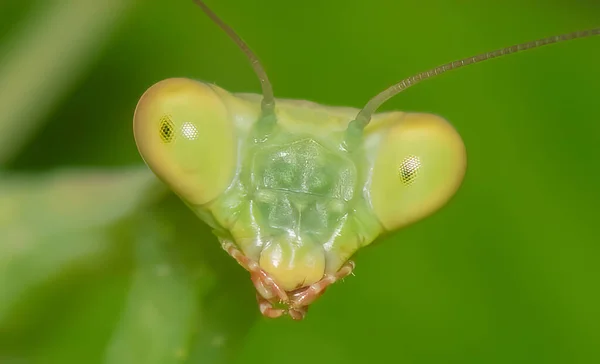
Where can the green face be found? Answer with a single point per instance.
(291, 197)
(293, 189)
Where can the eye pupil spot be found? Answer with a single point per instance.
(409, 169)
(166, 129)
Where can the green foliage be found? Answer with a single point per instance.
(99, 264)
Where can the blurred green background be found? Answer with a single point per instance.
(98, 264)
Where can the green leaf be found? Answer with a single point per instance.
(100, 266)
(48, 223)
(47, 55)
(162, 308)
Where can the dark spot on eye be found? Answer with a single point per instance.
(409, 169)
(166, 129)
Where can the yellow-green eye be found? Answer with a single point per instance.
(418, 167)
(184, 133)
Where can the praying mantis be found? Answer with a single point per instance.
(293, 189)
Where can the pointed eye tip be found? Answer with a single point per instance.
(419, 167)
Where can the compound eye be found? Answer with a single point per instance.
(409, 168)
(418, 168)
(185, 134)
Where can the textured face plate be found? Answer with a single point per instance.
(302, 188)
(302, 194)
(296, 203)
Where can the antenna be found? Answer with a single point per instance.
(268, 102)
(364, 116)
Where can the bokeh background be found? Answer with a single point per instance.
(98, 264)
